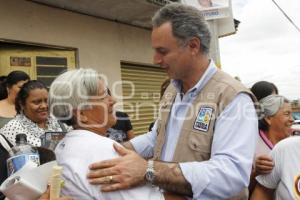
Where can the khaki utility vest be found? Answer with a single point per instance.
(195, 139)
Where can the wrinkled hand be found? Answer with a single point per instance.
(119, 173)
(46, 196)
(263, 164)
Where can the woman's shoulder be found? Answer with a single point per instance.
(90, 138)
(11, 129)
(13, 123)
(2, 102)
(292, 142)
(4, 121)
(82, 142)
(6, 109)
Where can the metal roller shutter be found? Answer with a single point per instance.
(141, 96)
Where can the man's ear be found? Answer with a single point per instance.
(80, 116)
(194, 45)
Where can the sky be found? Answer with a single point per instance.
(266, 46)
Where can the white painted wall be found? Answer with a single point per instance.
(101, 44)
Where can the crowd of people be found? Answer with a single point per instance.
(202, 146)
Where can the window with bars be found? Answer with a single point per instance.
(48, 68)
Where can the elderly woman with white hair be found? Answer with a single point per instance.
(79, 98)
(283, 181)
(274, 126)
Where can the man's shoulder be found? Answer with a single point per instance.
(224, 78)
(228, 86)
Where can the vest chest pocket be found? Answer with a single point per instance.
(200, 145)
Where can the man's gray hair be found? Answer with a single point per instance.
(186, 21)
(72, 90)
(271, 104)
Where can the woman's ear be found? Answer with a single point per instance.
(268, 120)
(80, 116)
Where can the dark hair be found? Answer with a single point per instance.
(12, 78)
(24, 93)
(187, 22)
(262, 89)
(263, 125)
(3, 92)
(2, 79)
(46, 155)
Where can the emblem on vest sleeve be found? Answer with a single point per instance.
(297, 186)
(203, 119)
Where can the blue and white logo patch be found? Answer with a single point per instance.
(203, 119)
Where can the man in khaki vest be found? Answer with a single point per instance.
(203, 142)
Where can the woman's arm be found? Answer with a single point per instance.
(130, 134)
(262, 193)
(172, 196)
(263, 165)
(253, 181)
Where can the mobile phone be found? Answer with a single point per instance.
(50, 139)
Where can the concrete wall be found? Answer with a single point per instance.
(101, 44)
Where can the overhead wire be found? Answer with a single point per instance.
(285, 14)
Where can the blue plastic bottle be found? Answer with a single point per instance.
(21, 154)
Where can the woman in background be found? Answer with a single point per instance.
(32, 117)
(261, 89)
(9, 88)
(122, 131)
(273, 127)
